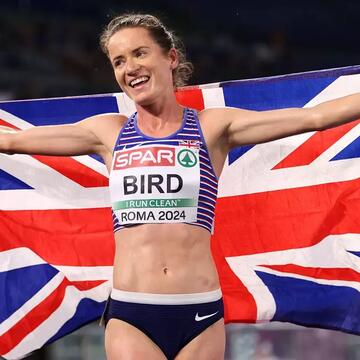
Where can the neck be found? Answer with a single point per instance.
(158, 115)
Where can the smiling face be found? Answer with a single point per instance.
(141, 67)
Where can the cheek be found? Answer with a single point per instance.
(119, 77)
(165, 74)
(117, 74)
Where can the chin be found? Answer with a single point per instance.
(143, 100)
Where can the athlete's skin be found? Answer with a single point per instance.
(167, 258)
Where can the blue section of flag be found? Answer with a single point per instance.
(9, 182)
(274, 93)
(20, 285)
(98, 158)
(238, 152)
(308, 303)
(61, 111)
(356, 253)
(87, 311)
(271, 93)
(350, 152)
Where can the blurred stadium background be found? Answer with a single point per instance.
(50, 49)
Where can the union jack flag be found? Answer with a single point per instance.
(56, 238)
(195, 144)
(287, 234)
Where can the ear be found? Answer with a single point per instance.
(174, 58)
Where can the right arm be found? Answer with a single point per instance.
(93, 135)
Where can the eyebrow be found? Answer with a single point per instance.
(133, 51)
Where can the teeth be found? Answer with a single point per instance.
(139, 80)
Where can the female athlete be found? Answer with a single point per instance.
(164, 162)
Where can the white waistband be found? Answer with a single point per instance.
(166, 299)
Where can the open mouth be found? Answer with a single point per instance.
(139, 81)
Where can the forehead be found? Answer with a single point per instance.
(130, 38)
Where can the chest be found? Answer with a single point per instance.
(156, 182)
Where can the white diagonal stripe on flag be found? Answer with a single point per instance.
(331, 252)
(83, 273)
(44, 292)
(263, 157)
(48, 328)
(18, 258)
(33, 200)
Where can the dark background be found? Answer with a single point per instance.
(50, 48)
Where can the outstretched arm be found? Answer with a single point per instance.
(240, 127)
(48, 140)
(85, 137)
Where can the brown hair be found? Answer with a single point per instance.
(163, 37)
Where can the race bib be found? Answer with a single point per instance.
(155, 184)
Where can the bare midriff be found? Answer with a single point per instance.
(164, 259)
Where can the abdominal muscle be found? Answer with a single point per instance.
(164, 259)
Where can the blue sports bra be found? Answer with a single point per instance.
(162, 180)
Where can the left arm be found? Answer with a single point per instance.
(241, 127)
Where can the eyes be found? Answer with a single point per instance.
(137, 54)
(140, 53)
(118, 63)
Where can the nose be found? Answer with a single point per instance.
(132, 66)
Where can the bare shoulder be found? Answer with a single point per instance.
(105, 126)
(103, 122)
(221, 117)
(217, 122)
(210, 113)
